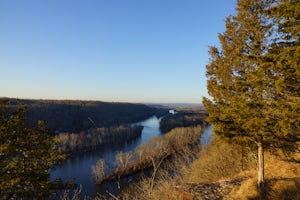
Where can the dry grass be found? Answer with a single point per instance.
(282, 181)
(219, 161)
(247, 190)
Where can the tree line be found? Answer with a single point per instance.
(74, 116)
(95, 138)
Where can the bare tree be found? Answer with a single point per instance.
(123, 159)
(98, 170)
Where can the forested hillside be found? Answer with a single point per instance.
(76, 116)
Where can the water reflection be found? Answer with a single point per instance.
(206, 136)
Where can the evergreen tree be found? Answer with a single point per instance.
(285, 54)
(249, 77)
(26, 155)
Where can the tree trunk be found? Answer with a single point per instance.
(260, 167)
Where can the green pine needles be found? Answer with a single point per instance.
(26, 155)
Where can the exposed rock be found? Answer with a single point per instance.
(208, 191)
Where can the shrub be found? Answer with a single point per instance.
(218, 161)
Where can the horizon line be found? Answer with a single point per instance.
(93, 100)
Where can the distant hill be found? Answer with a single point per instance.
(76, 115)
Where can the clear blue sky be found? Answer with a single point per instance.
(109, 50)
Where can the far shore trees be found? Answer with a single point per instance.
(253, 78)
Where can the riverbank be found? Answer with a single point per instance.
(151, 154)
(76, 143)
